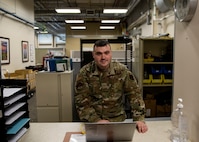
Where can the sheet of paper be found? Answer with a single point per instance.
(7, 92)
(77, 138)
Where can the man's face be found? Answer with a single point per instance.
(102, 56)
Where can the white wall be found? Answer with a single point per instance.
(17, 31)
(160, 24)
(186, 74)
(186, 66)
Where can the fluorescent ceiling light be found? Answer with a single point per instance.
(36, 28)
(42, 32)
(68, 10)
(110, 21)
(74, 21)
(107, 27)
(115, 10)
(78, 27)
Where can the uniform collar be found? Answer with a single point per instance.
(95, 70)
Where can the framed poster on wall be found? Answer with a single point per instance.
(25, 51)
(5, 50)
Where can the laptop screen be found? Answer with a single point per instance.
(113, 131)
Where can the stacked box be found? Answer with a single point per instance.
(27, 73)
(163, 110)
(150, 105)
(157, 76)
(13, 76)
(31, 84)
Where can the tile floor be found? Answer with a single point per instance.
(32, 108)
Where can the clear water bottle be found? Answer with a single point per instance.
(179, 124)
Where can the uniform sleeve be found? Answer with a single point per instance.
(135, 98)
(82, 100)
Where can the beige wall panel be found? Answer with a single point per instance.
(72, 44)
(186, 71)
(48, 114)
(16, 31)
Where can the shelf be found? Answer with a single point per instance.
(50, 48)
(14, 99)
(155, 74)
(14, 108)
(20, 124)
(157, 38)
(158, 63)
(7, 92)
(157, 85)
(18, 135)
(17, 115)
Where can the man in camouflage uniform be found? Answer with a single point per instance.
(100, 87)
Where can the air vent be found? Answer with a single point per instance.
(90, 12)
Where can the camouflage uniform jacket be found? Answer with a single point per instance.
(100, 95)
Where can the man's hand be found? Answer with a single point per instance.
(103, 121)
(141, 126)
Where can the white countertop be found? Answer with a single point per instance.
(55, 132)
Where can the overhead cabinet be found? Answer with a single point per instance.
(154, 59)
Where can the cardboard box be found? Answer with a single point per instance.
(28, 74)
(13, 76)
(163, 110)
(31, 84)
(149, 96)
(150, 107)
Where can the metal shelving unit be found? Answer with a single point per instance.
(155, 64)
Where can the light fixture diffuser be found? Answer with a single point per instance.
(110, 21)
(115, 10)
(107, 27)
(78, 27)
(36, 28)
(68, 10)
(43, 32)
(74, 21)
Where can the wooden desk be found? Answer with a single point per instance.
(55, 132)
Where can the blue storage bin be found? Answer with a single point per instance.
(156, 69)
(167, 69)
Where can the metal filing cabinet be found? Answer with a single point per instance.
(54, 96)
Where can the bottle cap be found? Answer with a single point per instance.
(180, 105)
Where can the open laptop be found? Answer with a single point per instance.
(110, 132)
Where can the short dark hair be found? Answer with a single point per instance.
(100, 43)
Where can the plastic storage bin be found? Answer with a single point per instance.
(157, 79)
(148, 79)
(168, 74)
(167, 69)
(156, 69)
(167, 78)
